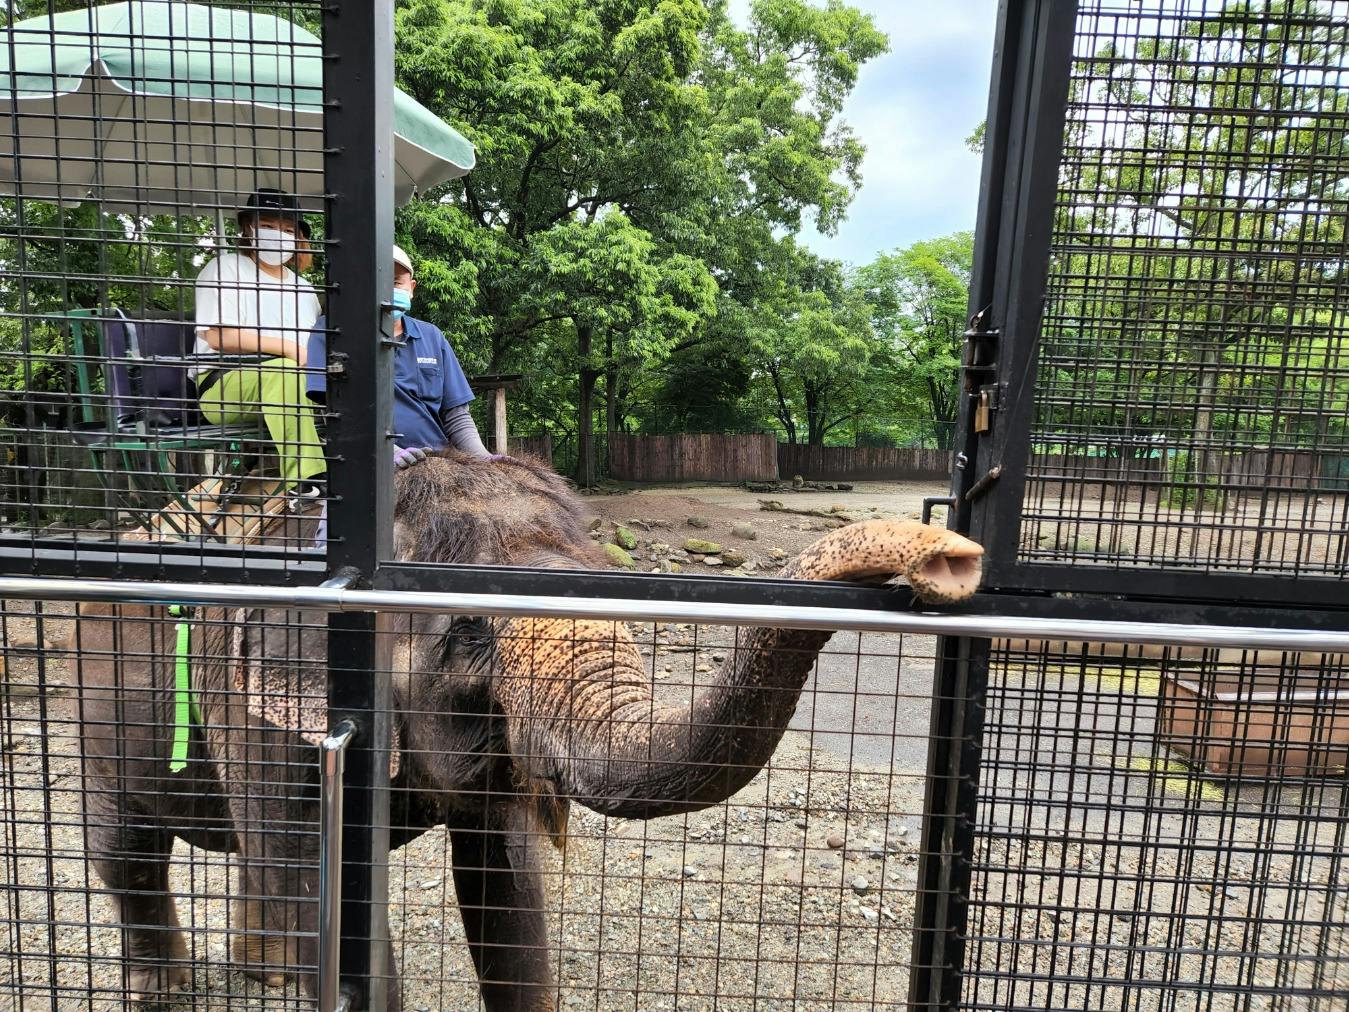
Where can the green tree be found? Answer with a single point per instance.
(814, 346)
(1194, 213)
(918, 299)
(700, 138)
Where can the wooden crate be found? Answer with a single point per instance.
(1258, 721)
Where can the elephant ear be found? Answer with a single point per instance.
(281, 670)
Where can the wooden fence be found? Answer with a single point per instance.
(693, 457)
(861, 463)
(532, 446)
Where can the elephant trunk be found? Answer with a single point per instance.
(582, 714)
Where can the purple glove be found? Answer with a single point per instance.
(405, 458)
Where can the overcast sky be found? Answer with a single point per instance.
(913, 109)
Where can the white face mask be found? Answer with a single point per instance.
(274, 247)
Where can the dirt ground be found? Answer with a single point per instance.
(1105, 865)
(661, 515)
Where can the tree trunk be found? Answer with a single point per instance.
(1204, 459)
(610, 387)
(815, 416)
(585, 411)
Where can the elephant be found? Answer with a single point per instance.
(500, 725)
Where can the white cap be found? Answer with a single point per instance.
(401, 259)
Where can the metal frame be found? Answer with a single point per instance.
(341, 597)
(358, 168)
(1019, 183)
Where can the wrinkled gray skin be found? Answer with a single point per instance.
(502, 723)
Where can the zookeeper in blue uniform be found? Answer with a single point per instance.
(430, 391)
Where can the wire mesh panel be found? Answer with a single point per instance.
(1190, 404)
(160, 830)
(799, 886)
(686, 877)
(1161, 829)
(162, 225)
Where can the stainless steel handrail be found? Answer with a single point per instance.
(332, 765)
(337, 599)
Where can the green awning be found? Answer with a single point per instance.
(162, 105)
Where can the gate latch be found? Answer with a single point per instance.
(980, 356)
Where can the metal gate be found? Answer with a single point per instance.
(1154, 414)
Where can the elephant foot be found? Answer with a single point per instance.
(156, 985)
(159, 970)
(258, 955)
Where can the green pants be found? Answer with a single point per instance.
(275, 391)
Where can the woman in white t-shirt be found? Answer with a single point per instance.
(251, 303)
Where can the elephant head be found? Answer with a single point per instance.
(581, 721)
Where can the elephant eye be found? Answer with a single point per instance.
(467, 645)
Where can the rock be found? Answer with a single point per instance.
(777, 553)
(860, 885)
(798, 481)
(834, 840)
(619, 557)
(690, 871)
(732, 558)
(660, 548)
(676, 567)
(625, 538)
(711, 560)
(702, 547)
(750, 566)
(868, 915)
(718, 657)
(744, 531)
(698, 522)
(594, 524)
(838, 507)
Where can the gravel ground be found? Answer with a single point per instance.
(797, 894)
(1108, 875)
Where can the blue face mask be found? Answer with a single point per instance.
(401, 303)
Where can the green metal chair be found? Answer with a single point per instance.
(145, 418)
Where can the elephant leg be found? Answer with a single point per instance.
(259, 949)
(501, 901)
(274, 921)
(133, 862)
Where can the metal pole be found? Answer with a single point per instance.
(332, 765)
(521, 606)
(359, 178)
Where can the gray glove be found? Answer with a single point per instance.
(405, 458)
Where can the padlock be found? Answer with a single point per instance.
(983, 413)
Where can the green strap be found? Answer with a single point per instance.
(184, 706)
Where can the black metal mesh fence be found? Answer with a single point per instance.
(162, 209)
(1161, 829)
(800, 888)
(1190, 405)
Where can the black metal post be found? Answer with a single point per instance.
(358, 135)
(956, 730)
(1023, 145)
